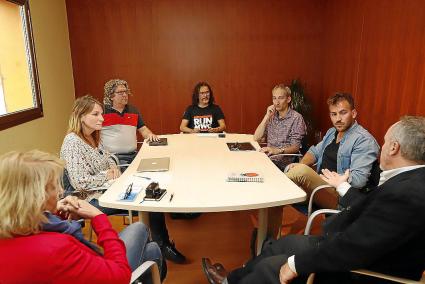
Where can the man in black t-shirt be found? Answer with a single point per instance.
(203, 115)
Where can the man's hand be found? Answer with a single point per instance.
(290, 166)
(270, 151)
(214, 130)
(333, 178)
(270, 111)
(152, 137)
(286, 275)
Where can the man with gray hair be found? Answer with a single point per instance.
(118, 135)
(382, 232)
(122, 121)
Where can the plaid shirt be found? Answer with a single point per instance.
(284, 132)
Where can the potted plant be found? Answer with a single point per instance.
(301, 104)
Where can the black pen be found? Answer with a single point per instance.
(171, 197)
(128, 191)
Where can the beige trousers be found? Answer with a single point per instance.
(307, 179)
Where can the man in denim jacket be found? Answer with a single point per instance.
(346, 146)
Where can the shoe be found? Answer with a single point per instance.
(184, 216)
(215, 273)
(170, 253)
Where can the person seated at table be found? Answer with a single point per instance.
(282, 127)
(383, 232)
(89, 165)
(121, 123)
(203, 115)
(347, 145)
(40, 242)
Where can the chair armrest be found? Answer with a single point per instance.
(115, 158)
(313, 193)
(143, 268)
(288, 155)
(387, 277)
(314, 215)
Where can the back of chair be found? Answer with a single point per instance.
(375, 174)
(67, 187)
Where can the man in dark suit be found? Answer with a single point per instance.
(383, 232)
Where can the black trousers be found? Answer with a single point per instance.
(265, 267)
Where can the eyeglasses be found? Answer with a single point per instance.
(121, 93)
(205, 93)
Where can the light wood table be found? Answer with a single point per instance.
(199, 166)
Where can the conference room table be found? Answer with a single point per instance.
(197, 179)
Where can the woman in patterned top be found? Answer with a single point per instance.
(87, 164)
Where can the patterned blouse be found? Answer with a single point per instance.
(86, 165)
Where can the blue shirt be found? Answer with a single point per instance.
(357, 151)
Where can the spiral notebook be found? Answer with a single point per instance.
(245, 177)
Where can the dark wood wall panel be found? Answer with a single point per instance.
(373, 49)
(376, 51)
(162, 48)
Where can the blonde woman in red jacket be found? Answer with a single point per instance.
(38, 246)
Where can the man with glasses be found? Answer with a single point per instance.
(203, 115)
(121, 122)
(119, 136)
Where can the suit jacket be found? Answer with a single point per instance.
(384, 232)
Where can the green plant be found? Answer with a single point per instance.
(301, 104)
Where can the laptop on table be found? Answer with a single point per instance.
(154, 165)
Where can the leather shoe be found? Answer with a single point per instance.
(215, 273)
(170, 252)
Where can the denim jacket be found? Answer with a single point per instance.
(357, 151)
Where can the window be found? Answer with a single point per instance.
(20, 99)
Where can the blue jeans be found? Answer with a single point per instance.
(138, 247)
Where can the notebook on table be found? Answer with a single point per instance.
(240, 146)
(245, 177)
(160, 142)
(154, 165)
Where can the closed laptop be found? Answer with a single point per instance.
(154, 165)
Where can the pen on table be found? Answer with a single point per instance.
(148, 178)
(171, 197)
(128, 191)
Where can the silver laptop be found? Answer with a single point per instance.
(154, 165)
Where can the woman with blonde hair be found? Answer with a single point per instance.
(88, 165)
(37, 245)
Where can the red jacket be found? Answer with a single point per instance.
(50, 257)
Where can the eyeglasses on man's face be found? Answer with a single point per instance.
(123, 92)
(206, 93)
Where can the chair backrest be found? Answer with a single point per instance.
(67, 187)
(375, 174)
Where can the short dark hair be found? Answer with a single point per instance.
(338, 97)
(195, 94)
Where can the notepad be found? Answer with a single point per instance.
(240, 146)
(245, 177)
(160, 142)
(139, 184)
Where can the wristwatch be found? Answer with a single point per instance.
(282, 150)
